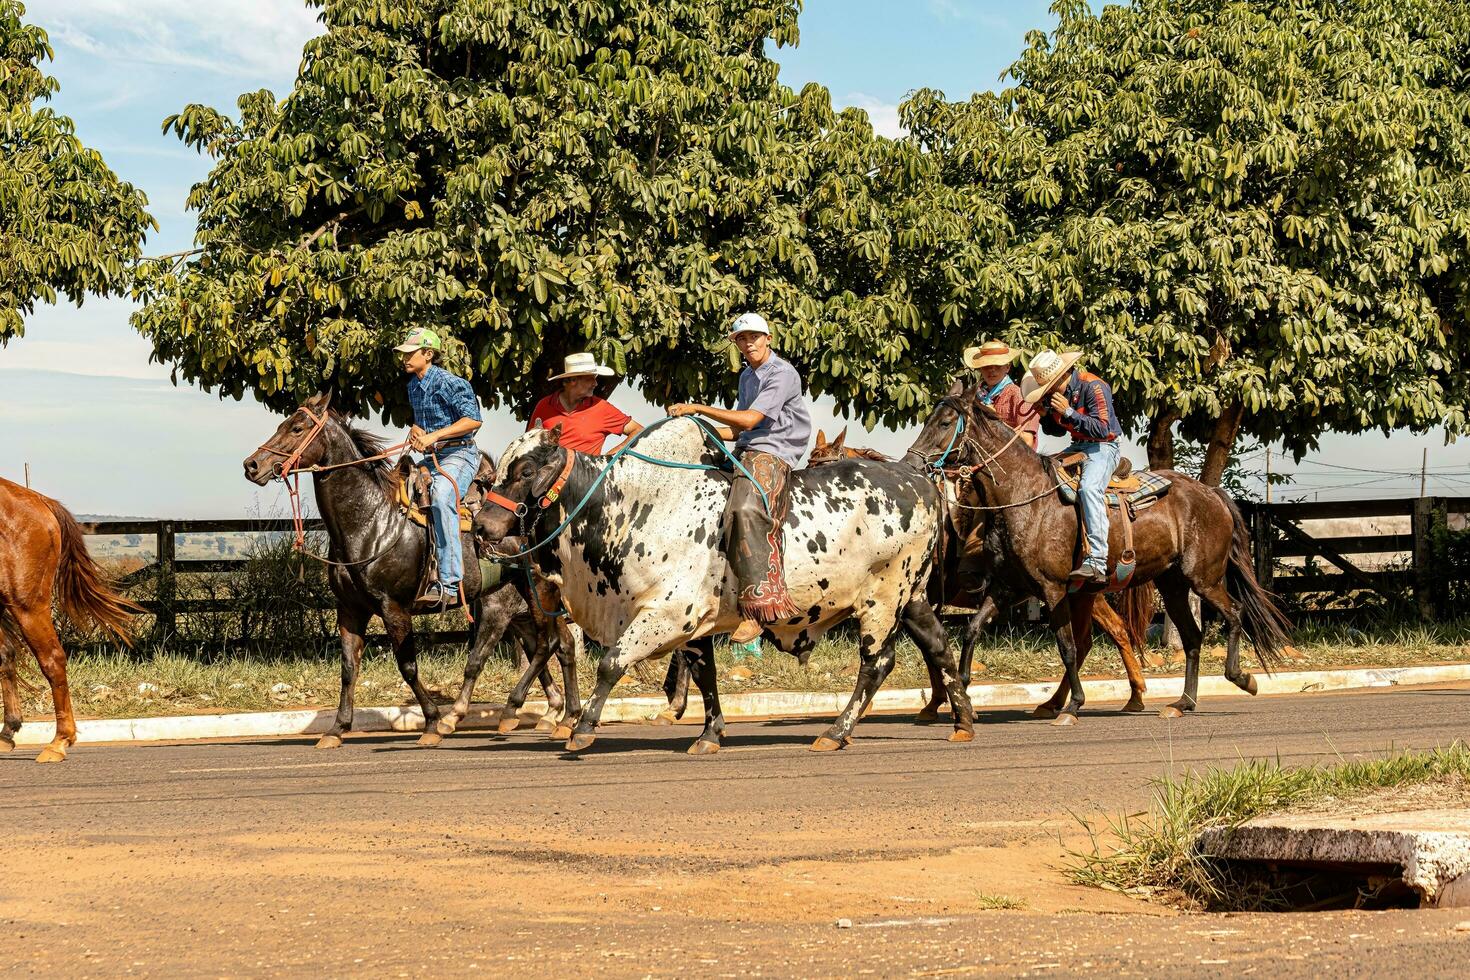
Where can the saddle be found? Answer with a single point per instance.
(411, 491)
(1138, 491)
(1127, 492)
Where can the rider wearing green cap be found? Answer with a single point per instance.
(446, 415)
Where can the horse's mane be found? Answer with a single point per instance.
(366, 444)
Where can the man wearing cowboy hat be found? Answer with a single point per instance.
(1080, 405)
(446, 416)
(771, 428)
(586, 420)
(993, 360)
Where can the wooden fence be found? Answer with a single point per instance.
(1277, 537)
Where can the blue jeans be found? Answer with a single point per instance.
(1102, 460)
(458, 464)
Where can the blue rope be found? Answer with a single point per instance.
(959, 428)
(710, 435)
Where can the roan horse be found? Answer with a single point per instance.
(970, 575)
(44, 554)
(376, 559)
(635, 548)
(1193, 538)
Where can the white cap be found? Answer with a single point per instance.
(750, 323)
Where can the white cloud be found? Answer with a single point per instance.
(232, 37)
(883, 115)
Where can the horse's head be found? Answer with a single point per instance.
(943, 439)
(528, 468)
(296, 441)
(828, 452)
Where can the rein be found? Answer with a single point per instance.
(968, 472)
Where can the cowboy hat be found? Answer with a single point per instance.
(992, 353)
(1046, 370)
(578, 365)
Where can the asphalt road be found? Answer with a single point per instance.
(504, 854)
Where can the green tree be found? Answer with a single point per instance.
(1250, 213)
(67, 223)
(535, 178)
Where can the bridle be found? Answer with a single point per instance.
(961, 437)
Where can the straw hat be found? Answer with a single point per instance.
(1046, 370)
(992, 353)
(577, 365)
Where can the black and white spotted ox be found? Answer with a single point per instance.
(641, 567)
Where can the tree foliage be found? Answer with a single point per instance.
(67, 223)
(535, 178)
(1249, 213)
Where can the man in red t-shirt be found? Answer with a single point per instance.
(586, 420)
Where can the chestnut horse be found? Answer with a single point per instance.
(43, 554)
(967, 566)
(1192, 539)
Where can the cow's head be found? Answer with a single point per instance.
(527, 470)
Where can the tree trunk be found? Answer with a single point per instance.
(1161, 440)
(1222, 444)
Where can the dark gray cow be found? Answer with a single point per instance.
(641, 569)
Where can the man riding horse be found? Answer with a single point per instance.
(1080, 404)
(993, 360)
(771, 426)
(446, 416)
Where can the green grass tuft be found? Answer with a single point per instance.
(1154, 852)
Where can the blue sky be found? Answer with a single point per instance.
(105, 431)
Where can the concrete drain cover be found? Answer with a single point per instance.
(1423, 853)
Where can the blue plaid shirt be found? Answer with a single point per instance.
(440, 398)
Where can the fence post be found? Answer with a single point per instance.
(1263, 538)
(164, 619)
(1427, 584)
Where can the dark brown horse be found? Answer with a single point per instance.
(376, 560)
(968, 571)
(43, 554)
(1193, 539)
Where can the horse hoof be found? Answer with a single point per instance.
(703, 747)
(1065, 720)
(446, 725)
(1170, 711)
(664, 717)
(6, 744)
(962, 735)
(329, 742)
(927, 715)
(51, 754)
(825, 744)
(580, 741)
(508, 725)
(1043, 711)
(1250, 684)
(430, 740)
(562, 732)
(1133, 706)
(545, 725)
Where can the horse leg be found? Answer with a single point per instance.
(529, 631)
(399, 624)
(1079, 608)
(491, 619)
(1052, 706)
(1060, 617)
(702, 669)
(1219, 597)
(876, 665)
(10, 691)
(1112, 624)
(352, 627)
(1175, 593)
(40, 635)
(566, 656)
(923, 625)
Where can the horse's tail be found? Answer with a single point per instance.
(82, 590)
(1266, 625)
(1136, 608)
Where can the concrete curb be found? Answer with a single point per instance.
(754, 705)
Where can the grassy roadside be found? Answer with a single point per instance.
(174, 680)
(1153, 854)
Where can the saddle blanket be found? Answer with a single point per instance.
(1142, 489)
